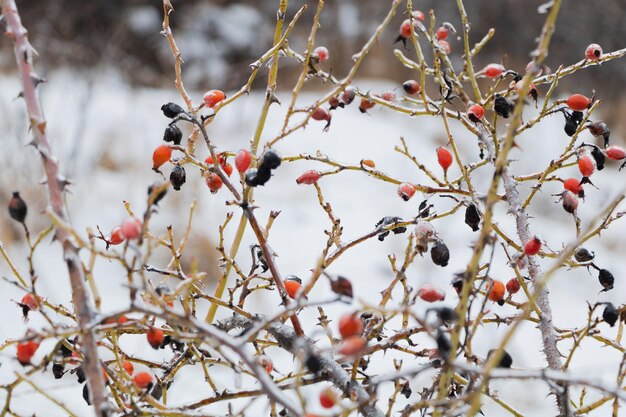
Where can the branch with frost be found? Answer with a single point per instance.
(56, 186)
(287, 339)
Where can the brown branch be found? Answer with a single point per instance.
(56, 186)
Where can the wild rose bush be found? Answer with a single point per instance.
(178, 315)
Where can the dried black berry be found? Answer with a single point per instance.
(260, 176)
(443, 344)
(600, 129)
(406, 390)
(65, 352)
(610, 314)
(388, 221)
(342, 286)
(80, 374)
(58, 370)
(270, 159)
(17, 208)
(86, 395)
(505, 362)
(447, 315)
(313, 363)
(472, 217)
(178, 177)
(606, 279)
(173, 134)
(599, 156)
(159, 196)
(157, 391)
(583, 255)
(171, 110)
(440, 253)
(502, 106)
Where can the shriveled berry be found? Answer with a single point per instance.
(321, 52)
(328, 398)
(505, 362)
(584, 255)
(475, 113)
(406, 191)
(365, 105)
(243, 160)
(321, 113)
(606, 279)
(598, 156)
(472, 216)
(430, 293)
(17, 208)
(271, 159)
(610, 314)
(532, 89)
(334, 103)
(532, 246)
(444, 157)
(615, 152)
(512, 286)
(178, 177)
(58, 370)
(155, 337)
(352, 346)
(308, 177)
(440, 254)
(213, 97)
(158, 197)
(573, 185)
(502, 106)
(292, 286)
(342, 286)
(160, 156)
(131, 228)
(593, 52)
(171, 110)
(348, 95)
(578, 102)
(411, 87)
(173, 134)
(143, 380)
(570, 201)
(492, 70)
(496, 291)
(600, 128)
(350, 325)
(213, 181)
(26, 351)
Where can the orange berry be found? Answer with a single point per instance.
(266, 363)
(128, 367)
(213, 97)
(26, 351)
(228, 168)
(292, 287)
(122, 319)
(161, 155)
(442, 33)
(155, 337)
(321, 52)
(496, 292)
(573, 185)
(365, 105)
(142, 380)
(493, 70)
(350, 325)
(352, 346)
(308, 177)
(368, 163)
(406, 191)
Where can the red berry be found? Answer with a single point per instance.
(161, 155)
(444, 46)
(493, 70)
(444, 157)
(512, 286)
(475, 112)
(532, 246)
(26, 351)
(321, 52)
(243, 160)
(328, 399)
(228, 168)
(352, 346)
(573, 185)
(117, 236)
(143, 380)
(213, 181)
(411, 87)
(615, 152)
(131, 228)
(128, 367)
(348, 95)
(309, 177)
(321, 113)
(593, 52)
(406, 191)
(213, 97)
(266, 362)
(431, 293)
(28, 300)
(365, 105)
(155, 337)
(406, 29)
(122, 319)
(586, 165)
(418, 15)
(388, 95)
(496, 291)
(578, 102)
(350, 325)
(442, 33)
(292, 287)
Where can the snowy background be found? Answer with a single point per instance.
(104, 129)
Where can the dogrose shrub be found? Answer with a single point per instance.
(118, 383)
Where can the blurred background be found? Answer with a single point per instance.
(109, 70)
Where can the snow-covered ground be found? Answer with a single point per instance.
(104, 134)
